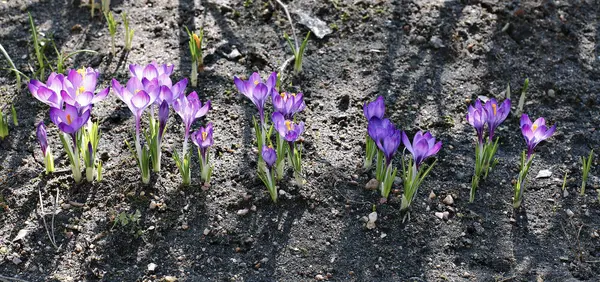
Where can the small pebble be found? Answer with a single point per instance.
(448, 200)
(570, 213)
(206, 231)
(372, 184)
(242, 212)
(151, 267)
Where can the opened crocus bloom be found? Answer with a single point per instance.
(288, 104)
(535, 132)
(379, 128)
(68, 118)
(152, 71)
(496, 114)
(374, 109)
(256, 90)
(203, 138)
(476, 116)
(289, 130)
(422, 147)
(134, 96)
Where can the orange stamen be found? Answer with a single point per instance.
(69, 120)
(494, 108)
(204, 135)
(288, 124)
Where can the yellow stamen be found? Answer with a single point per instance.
(137, 90)
(494, 107)
(288, 124)
(81, 71)
(256, 82)
(197, 40)
(294, 94)
(69, 120)
(80, 90)
(534, 127)
(204, 135)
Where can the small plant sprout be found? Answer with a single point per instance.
(298, 51)
(189, 109)
(370, 110)
(290, 132)
(287, 104)
(38, 48)
(112, 29)
(128, 39)
(203, 138)
(14, 115)
(265, 171)
(43, 140)
(13, 68)
(585, 169)
(195, 43)
(423, 146)
(387, 138)
(522, 98)
(534, 133)
(61, 58)
(137, 100)
(3, 125)
(564, 185)
(257, 92)
(478, 116)
(105, 6)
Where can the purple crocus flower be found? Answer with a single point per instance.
(269, 155)
(379, 128)
(388, 140)
(203, 138)
(189, 109)
(477, 117)
(374, 109)
(422, 147)
(48, 93)
(535, 132)
(80, 86)
(151, 71)
(289, 130)
(171, 93)
(163, 116)
(69, 119)
(495, 114)
(256, 90)
(136, 99)
(288, 104)
(42, 137)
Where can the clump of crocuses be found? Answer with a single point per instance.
(189, 109)
(491, 114)
(71, 98)
(285, 107)
(371, 110)
(534, 133)
(150, 87)
(414, 171)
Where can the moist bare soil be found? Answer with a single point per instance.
(429, 59)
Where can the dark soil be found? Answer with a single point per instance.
(316, 231)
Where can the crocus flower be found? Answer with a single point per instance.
(256, 90)
(477, 117)
(136, 99)
(171, 93)
(269, 155)
(535, 132)
(288, 104)
(388, 144)
(203, 138)
(422, 147)
(189, 109)
(68, 118)
(289, 130)
(48, 93)
(163, 116)
(42, 137)
(152, 71)
(495, 114)
(379, 128)
(374, 109)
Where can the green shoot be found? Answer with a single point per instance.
(484, 161)
(298, 52)
(586, 165)
(371, 149)
(183, 164)
(565, 181)
(91, 137)
(195, 44)
(411, 180)
(14, 115)
(37, 46)
(12, 65)
(522, 99)
(61, 58)
(520, 185)
(507, 91)
(3, 125)
(105, 6)
(128, 32)
(112, 29)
